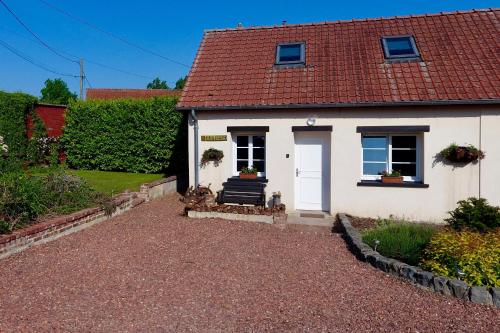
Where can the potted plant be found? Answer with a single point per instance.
(248, 173)
(276, 199)
(461, 154)
(393, 177)
(212, 154)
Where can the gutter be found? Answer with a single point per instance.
(346, 105)
(196, 148)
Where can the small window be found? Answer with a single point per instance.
(250, 151)
(390, 152)
(292, 53)
(400, 47)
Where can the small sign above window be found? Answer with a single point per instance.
(400, 47)
(214, 138)
(290, 53)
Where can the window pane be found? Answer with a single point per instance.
(259, 141)
(259, 165)
(374, 155)
(242, 141)
(289, 52)
(405, 169)
(400, 46)
(241, 164)
(404, 142)
(259, 153)
(374, 142)
(242, 153)
(404, 156)
(374, 168)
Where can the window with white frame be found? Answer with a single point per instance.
(250, 150)
(399, 152)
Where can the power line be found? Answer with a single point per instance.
(85, 78)
(31, 61)
(34, 34)
(121, 39)
(149, 77)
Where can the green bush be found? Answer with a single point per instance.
(476, 214)
(14, 109)
(400, 240)
(24, 198)
(476, 254)
(126, 135)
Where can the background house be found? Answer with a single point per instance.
(112, 93)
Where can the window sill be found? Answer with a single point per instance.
(376, 183)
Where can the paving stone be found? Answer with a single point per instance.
(459, 289)
(495, 295)
(480, 295)
(424, 278)
(440, 285)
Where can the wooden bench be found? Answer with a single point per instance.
(243, 191)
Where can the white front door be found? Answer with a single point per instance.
(311, 172)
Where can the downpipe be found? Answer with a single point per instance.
(196, 149)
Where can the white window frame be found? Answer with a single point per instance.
(250, 151)
(417, 178)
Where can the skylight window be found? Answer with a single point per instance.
(290, 53)
(400, 47)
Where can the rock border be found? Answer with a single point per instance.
(54, 228)
(416, 275)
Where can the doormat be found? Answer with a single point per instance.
(316, 216)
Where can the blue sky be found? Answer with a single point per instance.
(170, 28)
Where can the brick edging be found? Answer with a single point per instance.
(415, 275)
(53, 228)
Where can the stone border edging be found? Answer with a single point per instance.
(231, 216)
(415, 275)
(51, 229)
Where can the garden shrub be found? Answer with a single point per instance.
(23, 198)
(474, 213)
(476, 254)
(14, 108)
(126, 135)
(400, 240)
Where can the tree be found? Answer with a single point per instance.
(56, 92)
(179, 85)
(157, 84)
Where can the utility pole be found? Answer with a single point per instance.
(82, 77)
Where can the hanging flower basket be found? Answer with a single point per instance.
(212, 155)
(461, 154)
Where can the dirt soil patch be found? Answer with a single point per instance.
(363, 223)
(154, 270)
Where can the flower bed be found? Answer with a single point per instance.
(416, 275)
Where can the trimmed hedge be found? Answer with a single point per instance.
(126, 135)
(14, 109)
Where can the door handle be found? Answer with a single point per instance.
(297, 172)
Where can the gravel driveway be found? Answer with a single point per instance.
(153, 270)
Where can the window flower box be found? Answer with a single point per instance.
(393, 177)
(392, 180)
(248, 173)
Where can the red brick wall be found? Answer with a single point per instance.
(53, 118)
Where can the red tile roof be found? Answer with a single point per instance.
(101, 93)
(345, 63)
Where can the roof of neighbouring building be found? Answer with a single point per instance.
(106, 93)
(345, 64)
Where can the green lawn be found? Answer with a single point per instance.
(115, 182)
